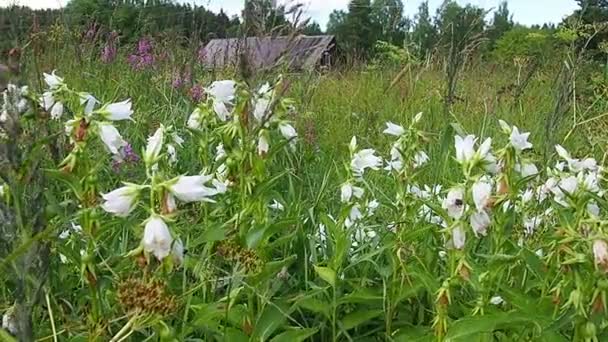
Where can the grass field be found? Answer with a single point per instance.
(311, 240)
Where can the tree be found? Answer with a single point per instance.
(355, 29)
(424, 35)
(502, 22)
(388, 16)
(593, 15)
(261, 17)
(312, 29)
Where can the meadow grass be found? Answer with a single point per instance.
(391, 289)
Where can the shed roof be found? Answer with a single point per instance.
(299, 52)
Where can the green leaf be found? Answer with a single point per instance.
(315, 305)
(213, 234)
(363, 295)
(295, 335)
(273, 317)
(469, 327)
(414, 334)
(235, 335)
(326, 274)
(5, 336)
(359, 317)
(272, 268)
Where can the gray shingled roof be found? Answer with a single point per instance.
(300, 52)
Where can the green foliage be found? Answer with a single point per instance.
(387, 54)
(424, 34)
(522, 42)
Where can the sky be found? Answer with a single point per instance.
(526, 12)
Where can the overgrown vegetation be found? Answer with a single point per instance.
(146, 198)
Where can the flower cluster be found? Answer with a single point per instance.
(109, 50)
(143, 57)
(14, 100)
(88, 119)
(402, 149)
(157, 239)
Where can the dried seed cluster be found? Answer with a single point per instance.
(146, 296)
(233, 252)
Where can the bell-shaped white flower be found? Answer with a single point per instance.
(177, 251)
(480, 221)
(459, 237)
(600, 253)
(170, 205)
(506, 128)
(496, 300)
(89, 101)
(52, 80)
(157, 239)
(111, 138)
(264, 89)
(593, 210)
(363, 160)
(352, 145)
(154, 146)
(121, 201)
(221, 111)
(353, 216)
(420, 159)
(518, 140)
(562, 152)
(275, 205)
(526, 169)
(347, 190)
(263, 145)
(396, 162)
(47, 100)
(287, 131)
(194, 120)
(192, 188)
(530, 224)
(484, 149)
(569, 184)
(261, 107)
(118, 111)
(394, 129)
(171, 153)
(589, 181)
(222, 91)
(454, 203)
(527, 196)
(465, 148)
(220, 187)
(220, 152)
(482, 191)
(57, 110)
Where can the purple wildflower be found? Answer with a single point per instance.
(108, 53)
(126, 156)
(144, 46)
(143, 56)
(196, 93)
(91, 33)
(177, 81)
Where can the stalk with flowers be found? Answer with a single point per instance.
(218, 236)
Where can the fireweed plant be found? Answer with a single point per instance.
(212, 250)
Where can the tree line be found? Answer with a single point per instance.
(357, 28)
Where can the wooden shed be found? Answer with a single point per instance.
(297, 53)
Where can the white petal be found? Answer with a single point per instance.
(192, 188)
(394, 129)
(157, 238)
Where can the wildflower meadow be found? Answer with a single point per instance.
(144, 197)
